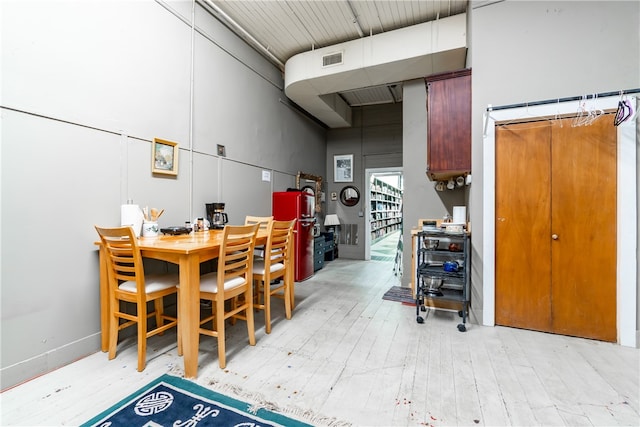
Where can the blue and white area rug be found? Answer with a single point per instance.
(173, 401)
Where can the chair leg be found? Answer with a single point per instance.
(142, 335)
(292, 291)
(219, 322)
(250, 320)
(214, 322)
(266, 296)
(256, 294)
(287, 300)
(233, 303)
(158, 305)
(178, 326)
(113, 327)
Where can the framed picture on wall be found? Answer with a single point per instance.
(164, 157)
(343, 168)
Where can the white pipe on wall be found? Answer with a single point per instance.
(191, 96)
(242, 32)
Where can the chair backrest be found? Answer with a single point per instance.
(262, 221)
(280, 236)
(124, 261)
(235, 259)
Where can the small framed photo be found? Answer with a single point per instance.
(164, 157)
(343, 168)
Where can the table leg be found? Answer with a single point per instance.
(104, 301)
(189, 312)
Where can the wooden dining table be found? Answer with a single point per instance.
(187, 251)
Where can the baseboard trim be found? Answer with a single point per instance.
(23, 371)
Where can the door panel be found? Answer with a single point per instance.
(523, 274)
(556, 227)
(584, 219)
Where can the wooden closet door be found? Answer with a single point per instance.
(523, 271)
(556, 227)
(583, 217)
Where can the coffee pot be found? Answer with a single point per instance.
(216, 215)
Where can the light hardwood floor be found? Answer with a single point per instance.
(348, 357)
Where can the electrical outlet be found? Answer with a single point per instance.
(222, 151)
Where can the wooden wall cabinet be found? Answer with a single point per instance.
(448, 124)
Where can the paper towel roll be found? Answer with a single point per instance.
(459, 214)
(131, 215)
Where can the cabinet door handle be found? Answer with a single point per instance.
(554, 236)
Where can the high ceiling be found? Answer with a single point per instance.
(280, 29)
(288, 27)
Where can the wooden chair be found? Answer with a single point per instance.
(234, 272)
(274, 268)
(127, 282)
(263, 222)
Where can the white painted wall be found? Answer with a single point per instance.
(420, 200)
(86, 86)
(524, 51)
(375, 140)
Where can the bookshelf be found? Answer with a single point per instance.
(386, 208)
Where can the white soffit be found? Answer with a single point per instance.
(405, 54)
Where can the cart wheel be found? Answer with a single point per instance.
(460, 313)
(462, 327)
(420, 319)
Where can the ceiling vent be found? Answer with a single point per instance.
(332, 59)
(384, 94)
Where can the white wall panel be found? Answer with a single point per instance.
(57, 182)
(533, 51)
(120, 66)
(86, 87)
(375, 140)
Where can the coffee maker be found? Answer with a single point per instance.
(216, 216)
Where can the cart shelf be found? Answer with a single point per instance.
(455, 284)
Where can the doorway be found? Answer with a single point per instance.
(383, 215)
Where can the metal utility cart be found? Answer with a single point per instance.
(443, 271)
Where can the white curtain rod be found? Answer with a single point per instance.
(556, 100)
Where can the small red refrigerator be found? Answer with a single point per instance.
(288, 205)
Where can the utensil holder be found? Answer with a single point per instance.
(150, 229)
